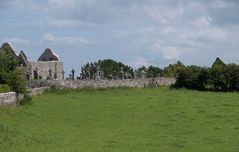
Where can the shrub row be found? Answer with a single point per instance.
(219, 77)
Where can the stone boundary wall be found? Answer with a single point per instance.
(8, 99)
(137, 83)
(164, 81)
(38, 91)
(11, 98)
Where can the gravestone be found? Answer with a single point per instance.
(142, 74)
(122, 75)
(98, 73)
(88, 73)
(135, 74)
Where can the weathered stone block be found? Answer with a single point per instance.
(8, 99)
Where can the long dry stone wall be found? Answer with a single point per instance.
(8, 99)
(11, 98)
(137, 83)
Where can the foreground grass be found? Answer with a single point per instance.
(123, 120)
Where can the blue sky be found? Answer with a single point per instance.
(136, 32)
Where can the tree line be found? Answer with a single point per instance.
(218, 77)
(109, 67)
(112, 68)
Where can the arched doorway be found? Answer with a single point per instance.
(35, 73)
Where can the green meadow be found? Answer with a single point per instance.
(123, 120)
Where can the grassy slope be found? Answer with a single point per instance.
(132, 120)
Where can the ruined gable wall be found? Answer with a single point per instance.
(44, 67)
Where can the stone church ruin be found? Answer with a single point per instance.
(49, 66)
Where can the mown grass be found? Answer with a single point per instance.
(123, 120)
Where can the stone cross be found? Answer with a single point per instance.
(73, 74)
(63, 74)
(135, 74)
(98, 73)
(83, 75)
(121, 73)
(143, 74)
(88, 74)
(102, 74)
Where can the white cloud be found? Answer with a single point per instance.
(125, 28)
(119, 34)
(63, 22)
(68, 23)
(207, 35)
(221, 4)
(203, 21)
(49, 37)
(170, 53)
(62, 3)
(69, 4)
(69, 40)
(21, 4)
(164, 15)
(141, 61)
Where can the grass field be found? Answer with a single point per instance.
(123, 120)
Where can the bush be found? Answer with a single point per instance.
(27, 100)
(4, 88)
(17, 81)
(220, 77)
(7, 62)
(172, 69)
(233, 77)
(192, 77)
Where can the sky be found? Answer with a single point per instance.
(136, 32)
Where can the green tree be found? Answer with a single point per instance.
(172, 69)
(153, 72)
(10, 73)
(7, 64)
(192, 77)
(7, 61)
(17, 81)
(218, 75)
(233, 77)
(108, 66)
(183, 78)
(7, 48)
